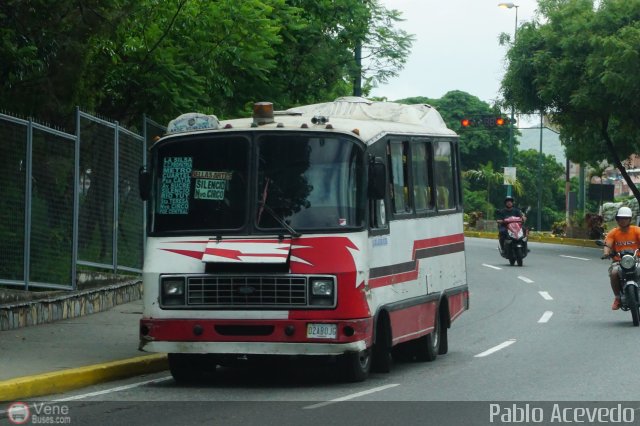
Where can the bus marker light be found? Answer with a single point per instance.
(263, 113)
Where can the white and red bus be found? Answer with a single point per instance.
(330, 229)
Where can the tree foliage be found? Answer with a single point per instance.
(125, 58)
(578, 62)
(492, 179)
(542, 177)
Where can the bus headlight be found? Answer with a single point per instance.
(173, 291)
(322, 291)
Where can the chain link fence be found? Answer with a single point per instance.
(70, 201)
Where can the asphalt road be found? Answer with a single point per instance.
(538, 334)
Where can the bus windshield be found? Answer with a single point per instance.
(303, 182)
(310, 182)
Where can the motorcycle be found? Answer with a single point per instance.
(515, 245)
(628, 273)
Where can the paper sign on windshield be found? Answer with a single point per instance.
(210, 185)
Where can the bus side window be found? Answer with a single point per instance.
(422, 173)
(399, 176)
(444, 176)
(378, 207)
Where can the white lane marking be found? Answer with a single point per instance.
(352, 396)
(525, 279)
(573, 257)
(491, 266)
(113, 390)
(496, 348)
(545, 317)
(545, 295)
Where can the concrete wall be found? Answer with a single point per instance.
(67, 305)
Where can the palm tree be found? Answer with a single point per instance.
(493, 178)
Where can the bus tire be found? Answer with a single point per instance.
(443, 348)
(427, 347)
(191, 368)
(356, 365)
(382, 359)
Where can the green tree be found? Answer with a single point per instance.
(123, 58)
(546, 181)
(492, 179)
(385, 47)
(45, 48)
(578, 63)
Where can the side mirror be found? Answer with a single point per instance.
(377, 179)
(600, 243)
(144, 183)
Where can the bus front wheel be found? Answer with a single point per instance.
(356, 365)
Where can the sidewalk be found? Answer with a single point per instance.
(56, 357)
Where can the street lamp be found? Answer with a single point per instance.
(539, 213)
(513, 112)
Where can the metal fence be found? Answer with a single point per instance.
(68, 200)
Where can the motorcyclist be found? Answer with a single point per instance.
(624, 237)
(508, 211)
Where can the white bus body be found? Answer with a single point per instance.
(328, 229)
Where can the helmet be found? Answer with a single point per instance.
(624, 212)
(508, 198)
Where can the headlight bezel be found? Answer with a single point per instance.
(322, 291)
(173, 290)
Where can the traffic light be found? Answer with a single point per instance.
(483, 121)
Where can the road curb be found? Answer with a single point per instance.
(74, 378)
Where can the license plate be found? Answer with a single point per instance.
(322, 331)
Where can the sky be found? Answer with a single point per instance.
(455, 48)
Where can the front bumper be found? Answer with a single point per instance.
(275, 337)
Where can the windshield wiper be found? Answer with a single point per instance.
(281, 221)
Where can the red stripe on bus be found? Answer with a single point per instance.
(437, 241)
(190, 253)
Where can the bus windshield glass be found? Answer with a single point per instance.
(305, 182)
(310, 182)
(201, 184)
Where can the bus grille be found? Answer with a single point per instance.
(247, 291)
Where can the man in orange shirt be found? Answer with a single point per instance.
(624, 237)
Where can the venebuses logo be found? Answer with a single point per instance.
(18, 413)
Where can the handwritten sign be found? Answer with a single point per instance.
(210, 185)
(210, 189)
(176, 183)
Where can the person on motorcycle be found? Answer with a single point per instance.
(625, 237)
(508, 211)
